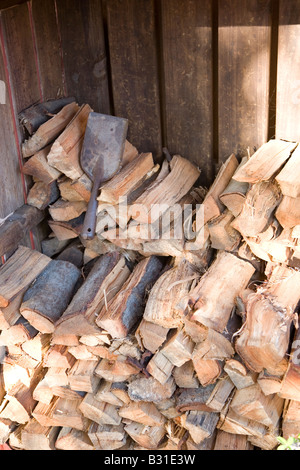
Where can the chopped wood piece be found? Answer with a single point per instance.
(67, 230)
(61, 412)
(239, 374)
(130, 153)
(167, 191)
(127, 307)
(9, 315)
(185, 377)
(48, 131)
(115, 371)
(233, 197)
(291, 419)
(37, 346)
(20, 332)
(42, 194)
(150, 390)
(58, 354)
(146, 436)
(104, 432)
(265, 162)
(200, 424)
(67, 191)
(178, 348)
(127, 180)
(65, 210)
(21, 269)
(36, 115)
(160, 367)
(290, 383)
(264, 338)
(142, 412)
(83, 186)
(222, 235)
(258, 210)
(150, 336)
(228, 441)
(47, 299)
(234, 423)
(288, 213)
(101, 285)
(222, 180)
(288, 178)
(100, 412)
(220, 395)
(251, 403)
(38, 167)
(171, 287)
(65, 151)
(37, 437)
(213, 298)
(81, 376)
(72, 439)
(105, 393)
(207, 370)
(193, 399)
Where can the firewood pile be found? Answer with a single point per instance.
(138, 340)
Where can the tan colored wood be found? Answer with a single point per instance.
(220, 395)
(115, 371)
(185, 376)
(61, 412)
(38, 167)
(207, 370)
(288, 178)
(288, 213)
(58, 354)
(41, 195)
(67, 190)
(225, 279)
(239, 374)
(142, 412)
(83, 186)
(146, 436)
(233, 197)
(65, 151)
(100, 412)
(150, 336)
(160, 367)
(265, 162)
(150, 390)
(81, 376)
(291, 419)
(200, 424)
(227, 441)
(48, 131)
(37, 437)
(222, 235)
(37, 346)
(234, 423)
(65, 210)
(72, 439)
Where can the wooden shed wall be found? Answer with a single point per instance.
(203, 77)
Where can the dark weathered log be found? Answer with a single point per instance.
(15, 226)
(47, 299)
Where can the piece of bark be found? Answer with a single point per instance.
(127, 180)
(13, 228)
(258, 210)
(48, 131)
(38, 167)
(34, 116)
(251, 403)
(73, 439)
(101, 285)
(65, 151)
(264, 339)
(162, 304)
(47, 299)
(168, 191)
(20, 270)
(213, 298)
(193, 399)
(288, 213)
(41, 195)
(65, 210)
(265, 162)
(233, 197)
(127, 307)
(288, 178)
(37, 437)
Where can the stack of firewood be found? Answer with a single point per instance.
(129, 341)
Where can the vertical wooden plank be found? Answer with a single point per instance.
(188, 86)
(11, 190)
(84, 55)
(244, 64)
(48, 48)
(21, 56)
(134, 68)
(288, 76)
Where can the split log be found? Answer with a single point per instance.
(291, 381)
(160, 367)
(227, 441)
(105, 393)
(200, 424)
(150, 390)
(37, 346)
(291, 419)
(288, 178)
(266, 161)
(99, 412)
(115, 371)
(20, 332)
(10, 315)
(222, 235)
(185, 376)
(212, 300)
(123, 312)
(37, 437)
(65, 151)
(81, 376)
(288, 213)
(67, 191)
(234, 423)
(167, 192)
(258, 210)
(162, 306)
(233, 197)
(150, 336)
(83, 186)
(264, 338)
(41, 195)
(62, 210)
(220, 394)
(143, 413)
(13, 229)
(127, 180)
(72, 439)
(61, 412)
(193, 399)
(47, 299)
(101, 285)
(178, 348)
(239, 374)
(21, 269)
(58, 354)
(34, 116)
(48, 131)
(38, 167)
(67, 230)
(207, 370)
(251, 403)
(146, 436)
(222, 180)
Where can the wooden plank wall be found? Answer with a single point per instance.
(202, 78)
